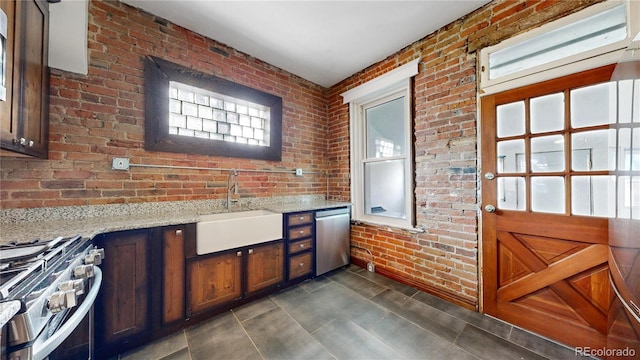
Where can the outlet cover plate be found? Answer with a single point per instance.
(120, 164)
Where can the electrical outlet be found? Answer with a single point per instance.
(120, 164)
(371, 267)
(298, 172)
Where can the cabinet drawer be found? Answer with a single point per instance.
(299, 219)
(299, 265)
(299, 232)
(300, 246)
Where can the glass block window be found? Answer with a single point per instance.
(205, 114)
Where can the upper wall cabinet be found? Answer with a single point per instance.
(24, 80)
(191, 112)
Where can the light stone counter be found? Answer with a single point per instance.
(88, 221)
(7, 310)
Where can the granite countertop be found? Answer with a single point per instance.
(7, 310)
(95, 224)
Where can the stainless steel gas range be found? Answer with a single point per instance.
(56, 283)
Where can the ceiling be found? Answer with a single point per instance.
(321, 41)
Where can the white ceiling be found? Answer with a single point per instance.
(321, 41)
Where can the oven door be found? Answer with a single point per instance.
(69, 336)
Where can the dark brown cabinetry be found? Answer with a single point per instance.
(24, 121)
(143, 291)
(264, 266)
(299, 230)
(223, 279)
(122, 309)
(214, 280)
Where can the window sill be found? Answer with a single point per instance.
(391, 228)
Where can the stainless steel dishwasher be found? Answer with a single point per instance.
(333, 239)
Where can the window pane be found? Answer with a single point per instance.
(547, 113)
(547, 153)
(629, 197)
(593, 32)
(510, 119)
(384, 188)
(547, 194)
(593, 195)
(511, 193)
(593, 105)
(511, 156)
(593, 150)
(386, 129)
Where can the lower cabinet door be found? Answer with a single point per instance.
(214, 281)
(265, 266)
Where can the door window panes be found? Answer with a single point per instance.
(547, 194)
(510, 159)
(511, 193)
(593, 105)
(547, 153)
(593, 150)
(385, 129)
(593, 195)
(547, 113)
(384, 189)
(510, 119)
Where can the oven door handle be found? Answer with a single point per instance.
(41, 351)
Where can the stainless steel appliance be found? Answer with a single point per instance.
(57, 283)
(333, 237)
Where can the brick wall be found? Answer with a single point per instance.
(97, 117)
(443, 259)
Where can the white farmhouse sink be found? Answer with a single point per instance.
(225, 231)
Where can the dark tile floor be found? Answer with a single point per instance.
(352, 314)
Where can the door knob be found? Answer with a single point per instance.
(490, 208)
(489, 176)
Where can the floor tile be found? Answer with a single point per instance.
(481, 321)
(349, 304)
(437, 322)
(312, 285)
(220, 338)
(388, 283)
(346, 340)
(308, 310)
(357, 283)
(413, 342)
(254, 309)
(540, 345)
(277, 336)
(182, 354)
(159, 349)
(490, 347)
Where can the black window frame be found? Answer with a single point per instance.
(158, 73)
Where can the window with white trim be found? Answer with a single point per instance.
(382, 148)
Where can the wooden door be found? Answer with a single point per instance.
(265, 266)
(214, 280)
(624, 238)
(547, 194)
(123, 306)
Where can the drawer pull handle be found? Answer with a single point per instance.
(301, 231)
(301, 218)
(301, 264)
(301, 246)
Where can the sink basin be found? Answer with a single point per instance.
(217, 232)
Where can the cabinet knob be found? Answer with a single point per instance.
(301, 218)
(31, 143)
(239, 253)
(179, 232)
(301, 246)
(250, 251)
(301, 231)
(301, 265)
(23, 141)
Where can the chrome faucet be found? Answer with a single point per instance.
(232, 187)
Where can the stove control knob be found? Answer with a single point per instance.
(75, 285)
(61, 300)
(83, 272)
(94, 257)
